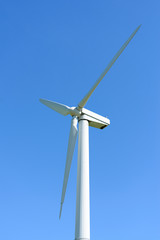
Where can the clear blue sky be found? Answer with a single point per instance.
(57, 50)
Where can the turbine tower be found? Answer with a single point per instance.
(85, 118)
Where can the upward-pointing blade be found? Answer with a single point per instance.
(85, 99)
(58, 107)
(70, 151)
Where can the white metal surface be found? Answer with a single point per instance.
(70, 151)
(82, 227)
(83, 102)
(94, 119)
(60, 108)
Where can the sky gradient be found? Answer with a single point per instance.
(57, 50)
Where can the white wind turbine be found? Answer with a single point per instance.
(85, 118)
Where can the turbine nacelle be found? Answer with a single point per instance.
(94, 119)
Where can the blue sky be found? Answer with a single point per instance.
(57, 50)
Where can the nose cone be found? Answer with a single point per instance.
(75, 112)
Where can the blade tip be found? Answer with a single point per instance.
(41, 100)
(138, 27)
(60, 211)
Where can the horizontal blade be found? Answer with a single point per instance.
(83, 102)
(58, 107)
(70, 151)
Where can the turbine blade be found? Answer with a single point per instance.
(58, 107)
(70, 151)
(83, 102)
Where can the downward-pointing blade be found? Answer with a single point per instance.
(58, 107)
(85, 99)
(70, 151)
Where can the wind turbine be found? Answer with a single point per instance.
(85, 118)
